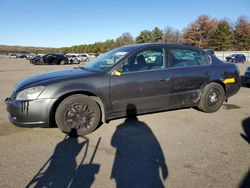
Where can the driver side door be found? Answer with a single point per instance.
(143, 83)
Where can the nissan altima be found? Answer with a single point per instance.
(120, 82)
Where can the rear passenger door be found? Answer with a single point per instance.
(189, 70)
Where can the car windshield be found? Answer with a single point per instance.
(108, 59)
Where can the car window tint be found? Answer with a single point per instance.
(149, 59)
(180, 57)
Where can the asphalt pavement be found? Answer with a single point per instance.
(177, 148)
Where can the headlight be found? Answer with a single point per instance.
(30, 93)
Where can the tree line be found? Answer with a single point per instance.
(204, 32)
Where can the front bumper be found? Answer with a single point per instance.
(34, 113)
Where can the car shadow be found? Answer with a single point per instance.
(139, 160)
(62, 170)
(230, 106)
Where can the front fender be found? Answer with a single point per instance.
(61, 90)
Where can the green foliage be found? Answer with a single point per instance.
(222, 38)
(156, 35)
(97, 47)
(144, 36)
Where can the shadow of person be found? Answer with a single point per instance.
(246, 128)
(246, 181)
(85, 173)
(60, 166)
(61, 169)
(139, 157)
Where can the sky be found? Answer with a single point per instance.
(60, 23)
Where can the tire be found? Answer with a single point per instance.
(212, 98)
(37, 62)
(77, 114)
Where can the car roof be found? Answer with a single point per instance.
(141, 45)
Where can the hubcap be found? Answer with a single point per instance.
(79, 116)
(213, 97)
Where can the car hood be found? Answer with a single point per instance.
(56, 75)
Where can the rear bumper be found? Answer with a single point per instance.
(233, 88)
(34, 113)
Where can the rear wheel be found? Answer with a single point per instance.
(77, 114)
(212, 98)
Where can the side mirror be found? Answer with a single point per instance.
(117, 73)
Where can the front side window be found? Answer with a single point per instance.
(108, 60)
(148, 59)
(180, 57)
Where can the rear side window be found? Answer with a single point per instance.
(181, 57)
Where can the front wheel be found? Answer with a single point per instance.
(77, 114)
(37, 62)
(212, 98)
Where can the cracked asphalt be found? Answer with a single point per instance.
(177, 148)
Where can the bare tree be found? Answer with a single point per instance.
(172, 35)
